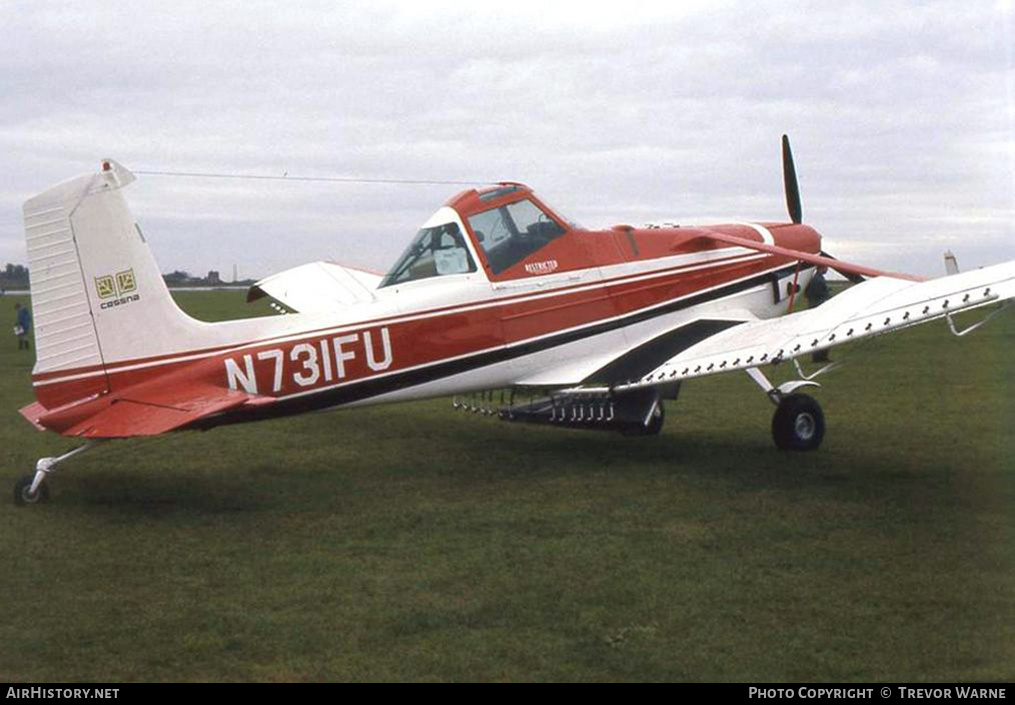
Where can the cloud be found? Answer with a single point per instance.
(902, 118)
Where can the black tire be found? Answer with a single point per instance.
(22, 495)
(798, 423)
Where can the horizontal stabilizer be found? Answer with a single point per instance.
(32, 413)
(147, 411)
(317, 287)
(126, 418)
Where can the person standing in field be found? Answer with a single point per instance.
(817, 293)
(22, 326)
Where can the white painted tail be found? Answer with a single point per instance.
(97, 293)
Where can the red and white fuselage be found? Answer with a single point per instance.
(497, 291)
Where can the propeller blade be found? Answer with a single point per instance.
(851, 276)
(789, 178)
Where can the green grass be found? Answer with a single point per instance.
(413, 542)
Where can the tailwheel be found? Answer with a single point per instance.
(798, 423)
(23, 491)
(33, 489)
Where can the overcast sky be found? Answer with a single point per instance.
(902, 118)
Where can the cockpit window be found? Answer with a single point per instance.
(511, 233)
(434, 252)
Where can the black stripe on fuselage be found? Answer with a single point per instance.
(639, 361)
(372, 387)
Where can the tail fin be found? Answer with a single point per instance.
(97, 294)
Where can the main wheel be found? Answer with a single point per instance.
(798, 423)
(23, 492)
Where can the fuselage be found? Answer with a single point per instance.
(479, 301)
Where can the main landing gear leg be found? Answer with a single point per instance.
(798, 422)
(33, 489)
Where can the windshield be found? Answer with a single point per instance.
(434, 252)
(511, 233)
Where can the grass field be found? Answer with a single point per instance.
(414, 542)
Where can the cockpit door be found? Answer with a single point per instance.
(548, 279)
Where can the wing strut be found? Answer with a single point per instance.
(821, 260)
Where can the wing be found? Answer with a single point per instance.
(878, 306)
(317, 287)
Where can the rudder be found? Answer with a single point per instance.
(98, 296)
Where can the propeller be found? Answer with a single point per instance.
(793, 201)
(789, 178)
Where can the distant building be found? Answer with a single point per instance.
(213, 278)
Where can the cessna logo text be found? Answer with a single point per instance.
(310, 363)
(117, 290)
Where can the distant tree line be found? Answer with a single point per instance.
(181, 278)
(15, 276)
